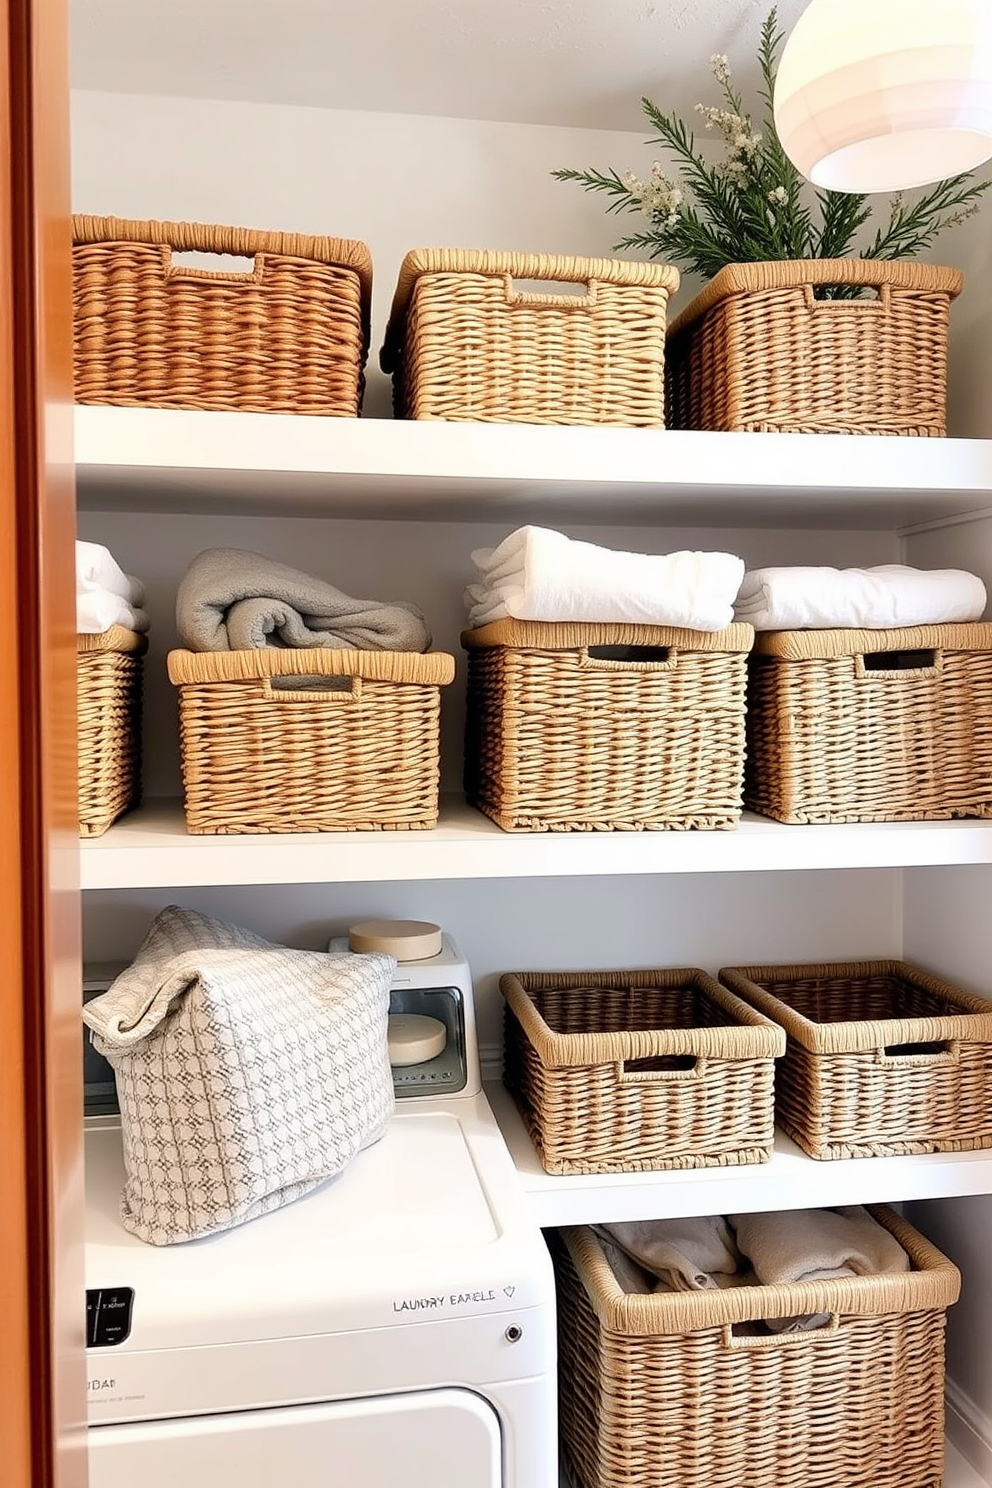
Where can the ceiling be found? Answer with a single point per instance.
(583, 63)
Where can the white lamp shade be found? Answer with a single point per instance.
(884, 95)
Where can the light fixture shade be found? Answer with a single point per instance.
(884, 95)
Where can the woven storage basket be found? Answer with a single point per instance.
(108, 690)
(463, 342)
(756, 350)
(870, 725)
(267, 749)
(882, 1057)
(289, 337)
(562, 736)
(629, 1071)
(675, 1390)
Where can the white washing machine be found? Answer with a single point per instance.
(393, 1329)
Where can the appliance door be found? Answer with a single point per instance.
(427, 1439)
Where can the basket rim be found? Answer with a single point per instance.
(114, 638)
(934, 1283)
(749, 278)
(819, 645)
(752, 1035)
(861, 1035)
(430, 668)
(492, 262)
(546, 635)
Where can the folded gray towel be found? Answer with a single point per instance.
(233, 600)
(687, 1255)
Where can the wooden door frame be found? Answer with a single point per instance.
(42, 1376)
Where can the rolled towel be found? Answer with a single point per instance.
(687, 1255)
(233, 600)
(98, 570)
(538, 574)
(881, 598)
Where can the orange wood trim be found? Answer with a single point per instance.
(42, 1402)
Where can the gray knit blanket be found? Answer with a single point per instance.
(233, 600)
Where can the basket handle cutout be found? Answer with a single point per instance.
(931, 1051)
(317, 690)
(743, 1336)
(661, 1068)
(567, 295)
(629, 658)
(237, 268)
(867, 297)
(886, 663)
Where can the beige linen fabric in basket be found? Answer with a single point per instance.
(247, 1072)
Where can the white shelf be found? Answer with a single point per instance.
(791, 1180)
(150, 848)
(159, 460)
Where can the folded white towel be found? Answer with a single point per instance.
(98, 570)
(98, 610)
(538, 574)
(881, 598)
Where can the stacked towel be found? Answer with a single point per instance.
(881, 598)
(105, 594)
(233, 600)
(686, 1255)
(537, 574)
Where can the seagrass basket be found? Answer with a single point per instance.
(688, 1390)
(882, 1057)
(870, 725)
(309, 741)
(465, 342)
(605, 727)
(760, 349)
(290, 336)
(631, 1071)
(108, 691)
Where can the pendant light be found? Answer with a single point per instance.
(884, 95)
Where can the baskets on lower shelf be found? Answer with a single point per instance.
(309, 741)
(758, 349)
(628, 1071)
(108, 689)
(870, 725)
(605, 727)
(882, 1057)
(685, 1389)
(464, 342)
(291, 336)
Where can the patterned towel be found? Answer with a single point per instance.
(247, 1073)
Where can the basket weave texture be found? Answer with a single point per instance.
(289, 337)
(881, 1057)
(757, 350)
(871, 725)
(678, 1389)
(108, 691)
(463, 342)
(562, 737)
(309, 741)
(631, 1071)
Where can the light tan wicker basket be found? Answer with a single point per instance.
(563, 736)
(309, 741)
(289, 337)
(630, 1071)
(108, 690)
(882, 1057)
(687, 1388)
(464, 342)
(757, 350)
(870, 725)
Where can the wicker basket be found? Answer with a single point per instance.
(870, 725)
(464, 343)
(676, 1390)
(757, 350)
(108, 689)
(882, 1057)
(562, 736)
(631, 1071)
(289, 337)
(309, 741)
